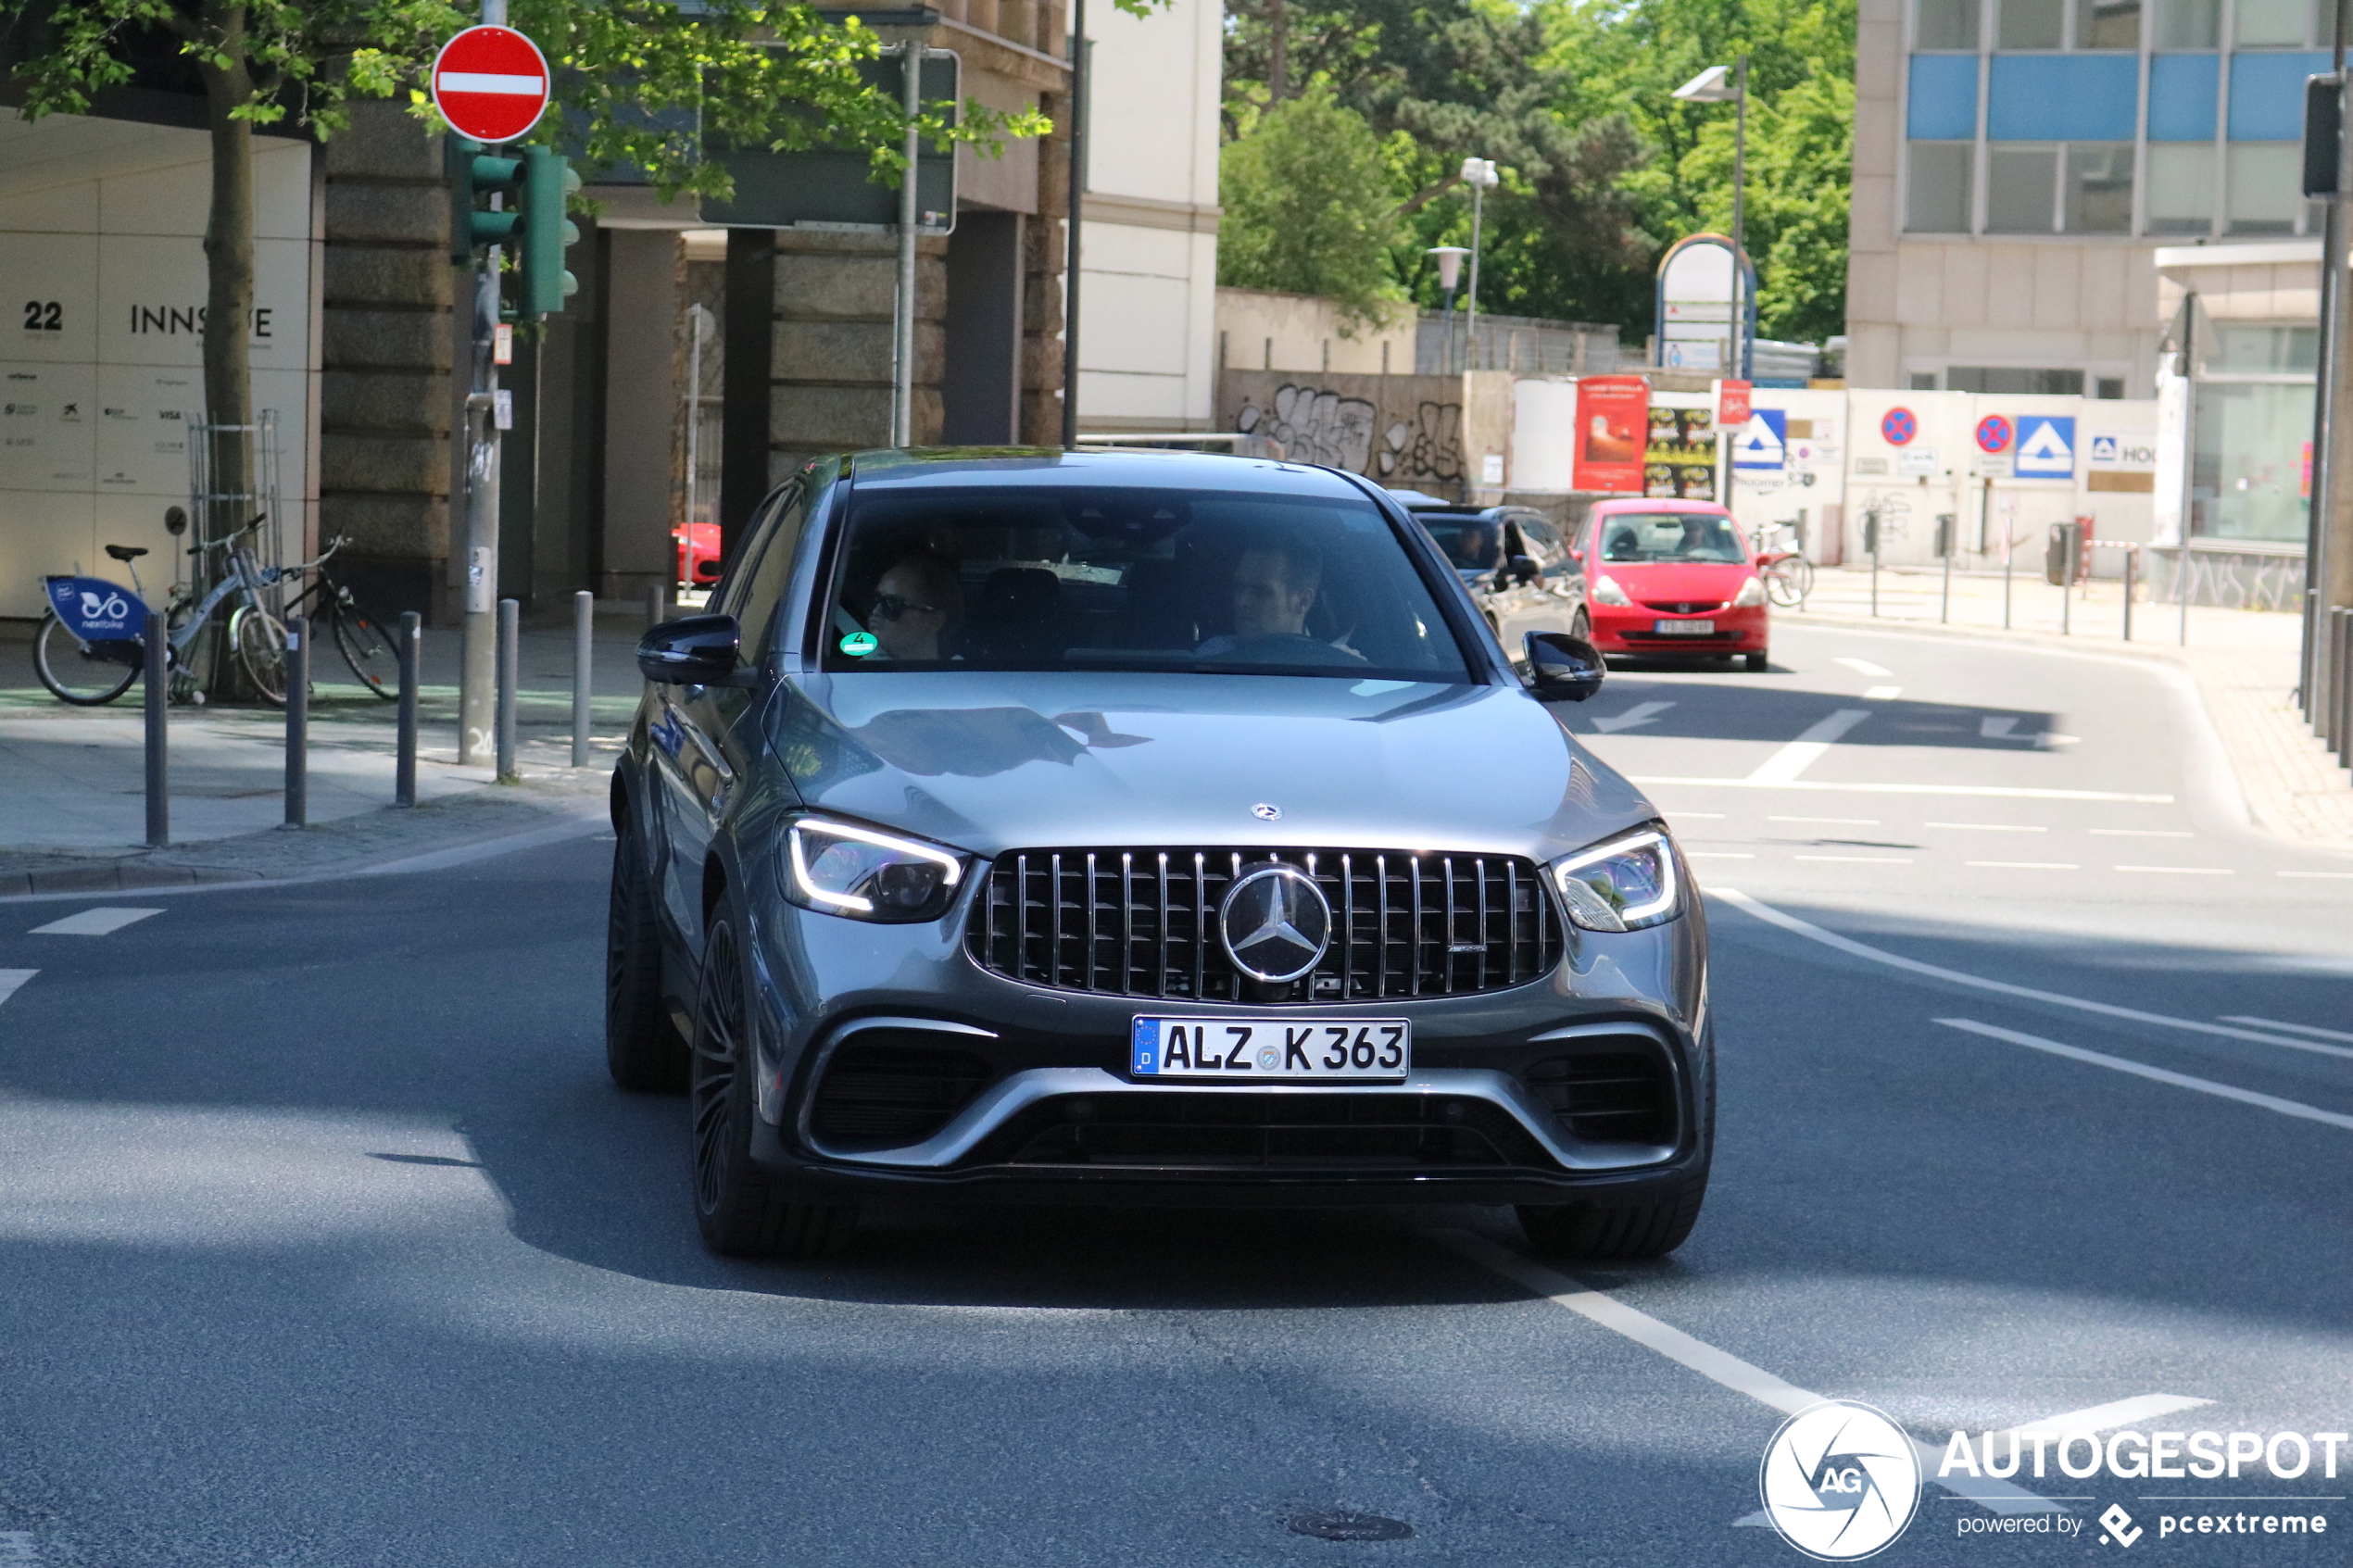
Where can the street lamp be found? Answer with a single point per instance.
(1450, 275)
(1710, 87)
(1478, 174)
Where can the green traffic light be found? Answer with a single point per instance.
(474, 174)
(548, 179)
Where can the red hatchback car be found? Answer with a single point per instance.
(1668, 579)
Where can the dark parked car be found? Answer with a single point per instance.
(1141, 828)
(1518, 569)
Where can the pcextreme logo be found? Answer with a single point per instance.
(1840, 1481)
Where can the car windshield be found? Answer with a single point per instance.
(1103, 579)
(1473, 544)
(1691, 536)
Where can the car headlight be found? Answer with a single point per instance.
(1623, 884)
(1752, 592)
(863, 873)
(1607, 592)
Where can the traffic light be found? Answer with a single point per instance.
(548, 181)
(474, 174)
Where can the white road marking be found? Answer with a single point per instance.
(2181, 870)
(1860, 859)
(2000, 729)
(1864, 667)
(1717, 855)
(2293, 1028)
(1833, 821)
(1784, 765)
(1713, 816)
(2346, 874)
(2157, 1075)
(2050, 739)
(1988, 827)
(94, 923)
(1719, 1367)
(11, 979)
(1790, 922)
(1882, 693)
(2103, 1418)
(1986, 792)
(2141, 832)
(1639, 714)
(2026, 865)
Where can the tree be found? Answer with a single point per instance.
(1309, 208)
(636, 77)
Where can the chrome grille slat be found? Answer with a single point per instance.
(1047, 915)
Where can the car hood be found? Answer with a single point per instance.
(1680, 579)
(992, 761)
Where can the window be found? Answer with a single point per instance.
(2263, 187)
(2181, 194)
(2188, 24)
(2111, 389)
(2271, 23)
(2032, 24)
(2107, 24)
(2098, 199)
(1946, 24)
(2002, 381)
(2019, 189)
(2246, 460)
(1937, 200)
(2263, 351)
(750, 594)
(1923, 381)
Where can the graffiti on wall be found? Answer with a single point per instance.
(1319, 425)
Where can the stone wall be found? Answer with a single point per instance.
(832, 363)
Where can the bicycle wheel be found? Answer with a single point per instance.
(1781, 583)
(1802, 573)
(369, 649)
(77, 672)
(260, 641)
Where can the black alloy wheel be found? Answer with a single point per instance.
(643, 1050)
(743, 1211)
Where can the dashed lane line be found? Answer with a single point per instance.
(1864, 667)
(2140, 832)
(2181, 870)
(2293, 1028)
(11, 980)
(1847, 945)
(1988, 827)
(2026, 865)
(94, 923)
(2295, 1108)
(1718, 1366)
(1859, 859)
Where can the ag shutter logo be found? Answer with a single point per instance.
(1840, 1481)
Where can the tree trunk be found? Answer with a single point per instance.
(228, 248)
(1278, 52)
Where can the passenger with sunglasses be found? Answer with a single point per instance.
(918, 603)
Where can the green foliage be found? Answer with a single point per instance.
(1309, 208)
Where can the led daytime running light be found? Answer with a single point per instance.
(951, 869)
(1633, 915)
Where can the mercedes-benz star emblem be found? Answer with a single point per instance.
(1276, 923)
(1266, 813)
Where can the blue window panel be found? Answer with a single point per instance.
(2062, 98)
(2181, 90)
(1944, 99)
(2267, 95)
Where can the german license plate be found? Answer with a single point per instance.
(1683, 628)
(1233, 1050)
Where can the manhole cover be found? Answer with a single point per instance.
(1344, 1524)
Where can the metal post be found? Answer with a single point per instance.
(2132, 561)
(2009, 548)
(583, 651)
(297, 721)
(2181, 581)
(159, 696)
(657, 608)
(902, 334)
(510, 669)
(404, 766)
(1069, 253)
(2071, 541)
(477, 675)
(2332, 632)
(1947, 527)
(1470, 310)
(1738, 337)
(2345, 690)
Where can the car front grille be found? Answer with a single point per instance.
(1230, 1132)
(1143, 923)
(1614, 1096)
(1685, 607)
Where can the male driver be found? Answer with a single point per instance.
(916, 604)
(1275, 586)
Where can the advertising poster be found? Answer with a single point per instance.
(1612, 429)
(1679, 463)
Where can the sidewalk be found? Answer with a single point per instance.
(72, 800)
(2243, 663)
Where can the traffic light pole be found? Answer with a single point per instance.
(478, 671)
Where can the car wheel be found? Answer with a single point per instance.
(1582, 627)
(743, 1211)
(1758, 663)
(642, 1047)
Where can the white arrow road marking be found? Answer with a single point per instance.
(2293, 1028)
(94, 923)
(1864, 667)
(1784, 765)
(1790, 922)
(2000, 729)
(1641, 713)
(10, 979)
(1717, 1366)
(2158, 1075)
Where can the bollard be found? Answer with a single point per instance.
(2344, 693)
(1947, 530)
(2132, 561)
(297, 721)
(510, 672)
(2009, 548)
(404, 767)
(656, 601)
(1871, 542)
(158, 694)
(584, 650)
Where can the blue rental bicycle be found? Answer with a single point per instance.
(90, 647)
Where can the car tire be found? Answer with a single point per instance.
(1582, 627)
(743, 1211)
(1758, 663)
(643, 1051)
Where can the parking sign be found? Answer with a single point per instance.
(2046, 446)
(1763, 443)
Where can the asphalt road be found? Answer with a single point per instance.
(324, 1240)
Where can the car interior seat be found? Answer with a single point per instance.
(1019, 621)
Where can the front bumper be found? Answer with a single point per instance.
(1619, 629)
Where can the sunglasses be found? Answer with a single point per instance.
(890, 607)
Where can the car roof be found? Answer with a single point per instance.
(960, 467)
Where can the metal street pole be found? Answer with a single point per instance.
(1070, 255)
(478, 657)
(902, 336)
(1737, 359)
(1470, 310)
(2328, 553)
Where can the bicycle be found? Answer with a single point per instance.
(1789, 576)
(362, 639)
(96, 659)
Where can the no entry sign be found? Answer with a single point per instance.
(490, 83)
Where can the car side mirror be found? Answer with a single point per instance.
(1562, 668)
(694, 650)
